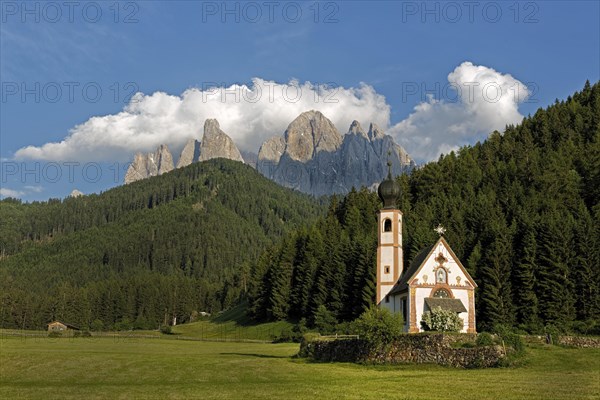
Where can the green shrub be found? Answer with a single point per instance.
(510, 338)
(441, 321)
(97, 325)
(55, 334)
(311, 336)
(378, 326)
(86, 334)
(484, 339)
(553, 333)
(166, 329)
(286, 336)
(325, 321)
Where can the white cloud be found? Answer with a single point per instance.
(34, 189)
(248, 113)
(5, 192)
(252, 113)
(486, 100)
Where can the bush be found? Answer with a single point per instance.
(378, 326)
(484, 339)
(325, 321)
(311, 336)
(552, 333)
(97, 325)
(441, 321)
(55, 334)
(286, 336)
(510, 338)
(166, 329)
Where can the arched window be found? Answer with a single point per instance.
(440, 275)
(441, 294)
(387, 225)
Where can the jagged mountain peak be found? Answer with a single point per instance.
(150, 164)
(190, 153)
(375, 132)
(310, 133)
(357, 130)
(217, 144)
(314, 158)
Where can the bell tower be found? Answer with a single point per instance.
(389, 244)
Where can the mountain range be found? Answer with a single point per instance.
(311, 156)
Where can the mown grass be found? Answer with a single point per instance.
(233, 324)
(125, 368)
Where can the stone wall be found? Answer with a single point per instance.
(580, 341)
(419, 349)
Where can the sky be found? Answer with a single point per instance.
(85, 85)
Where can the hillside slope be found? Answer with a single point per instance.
(143, 253)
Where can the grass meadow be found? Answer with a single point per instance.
(163, 368)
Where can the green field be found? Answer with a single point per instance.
(112, 368)
(233, 324)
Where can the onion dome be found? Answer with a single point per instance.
(389, 190)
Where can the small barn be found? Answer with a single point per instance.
(58, 326)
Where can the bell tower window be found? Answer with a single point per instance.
(387, 225)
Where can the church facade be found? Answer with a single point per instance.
(435, 278)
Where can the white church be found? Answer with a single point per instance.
(436, 277)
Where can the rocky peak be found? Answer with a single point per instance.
(76, 193)
(375, 133)
(151, 164)
(312, 157)
(310, 133)
(357, 130)
(272, 149)
(189, 154)
(216, 143)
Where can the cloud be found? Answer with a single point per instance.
(250, 114)
(5, 192)
(486, 100)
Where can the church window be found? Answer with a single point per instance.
(387, 299)
(387, 269)
(387, 225)
(441, 294)
(440, 275)
(404, 309)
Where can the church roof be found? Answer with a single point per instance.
(445, 304)
(402, 283)
(418, 261)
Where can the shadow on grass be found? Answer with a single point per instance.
(254, 355)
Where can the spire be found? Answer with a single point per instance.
(389, 189)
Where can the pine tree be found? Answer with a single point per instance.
(526, 301)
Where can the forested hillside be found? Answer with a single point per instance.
(521, 210)
(140, 254)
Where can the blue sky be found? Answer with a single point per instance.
(385, 56)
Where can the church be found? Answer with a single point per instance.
(435, 277)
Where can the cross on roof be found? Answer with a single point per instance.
(440, 230)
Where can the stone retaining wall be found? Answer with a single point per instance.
(580, 341)
(419, 349)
